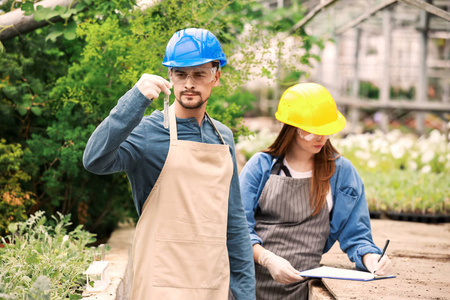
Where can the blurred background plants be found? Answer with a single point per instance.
(401, 172)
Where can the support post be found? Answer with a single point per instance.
(354, 110)
(422, 82)
(385, 73)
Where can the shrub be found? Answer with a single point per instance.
(42, 261)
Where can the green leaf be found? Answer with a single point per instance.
(69, 13)
(70, 32)
(44, 13)
(28, 8)
(36, 110)
(70, 35)
(57, 30)
(22, 111)
(80, 7)
(2, 48)
(32, 259)
(12, 227)
(27, 100)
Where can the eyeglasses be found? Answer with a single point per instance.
(309, 136)
(199, 75)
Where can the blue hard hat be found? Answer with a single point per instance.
(193, 47)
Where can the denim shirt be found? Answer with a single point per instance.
(349, 218)
(128, 141)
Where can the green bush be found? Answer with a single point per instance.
(14, 198)
(40, 261)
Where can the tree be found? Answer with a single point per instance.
(20, 21)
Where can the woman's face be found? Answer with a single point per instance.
(310, 143)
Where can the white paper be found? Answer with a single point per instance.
(337, 273)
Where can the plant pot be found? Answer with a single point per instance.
(375, 214)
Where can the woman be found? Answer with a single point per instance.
(300, 196)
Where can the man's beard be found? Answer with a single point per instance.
(190, 104)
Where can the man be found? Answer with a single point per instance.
(191, 241)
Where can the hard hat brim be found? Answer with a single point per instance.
(326, 129)
(191, 63)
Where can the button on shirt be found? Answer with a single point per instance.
(128, 141)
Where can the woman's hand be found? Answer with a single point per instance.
(370, 260)
(281, 270)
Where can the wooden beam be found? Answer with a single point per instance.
(311, 15)
(15, 22)
(394, 104)
(429, 8)
(364, 17)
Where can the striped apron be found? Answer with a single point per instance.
(285, 223)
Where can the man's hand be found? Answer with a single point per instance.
(370, 260)
(152, 85)
(281, 270)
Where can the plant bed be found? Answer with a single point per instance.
(421, 218)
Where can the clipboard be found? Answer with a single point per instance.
(344, 274)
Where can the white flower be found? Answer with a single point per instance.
(371, 164)
(363, 155)
(397, 150)
(414, 154)
(427, 156)
(412, 165)
(65, 239)
(426, 169)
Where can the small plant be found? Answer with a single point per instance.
(40, 261)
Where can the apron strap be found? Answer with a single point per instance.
(215, 128)
(278, 166)
(173, 120)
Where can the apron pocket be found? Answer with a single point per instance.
(190, 264)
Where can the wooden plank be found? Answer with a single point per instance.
(429, 8)
(395, 104)
(364, 17)
(311, 15)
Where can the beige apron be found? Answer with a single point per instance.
(179, 249)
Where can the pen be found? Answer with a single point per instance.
(384, 250)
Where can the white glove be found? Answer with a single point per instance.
(383, 267)
(152, 85)
(281, 270)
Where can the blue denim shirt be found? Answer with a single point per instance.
(349, 218)
(128, 141)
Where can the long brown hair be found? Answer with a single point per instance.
(323, 167)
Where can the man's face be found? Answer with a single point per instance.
(192, 85)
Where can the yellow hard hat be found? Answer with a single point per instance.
(311, 107)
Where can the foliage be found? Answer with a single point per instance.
(56, 88)
(379, 152)
(42, 261)
(15, 199)
(404, 191)
(401, 172)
